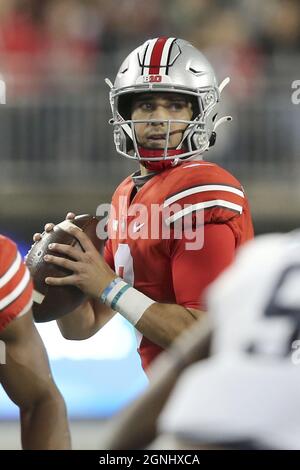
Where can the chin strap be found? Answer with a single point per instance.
(158, 153)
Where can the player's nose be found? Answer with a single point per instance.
(160, 112)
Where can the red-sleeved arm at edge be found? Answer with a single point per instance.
(15, 285)
(194, 270)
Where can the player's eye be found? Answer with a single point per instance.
(177, 105)
(146, 106)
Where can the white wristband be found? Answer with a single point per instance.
(129, 302)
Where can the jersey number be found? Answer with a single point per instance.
(279, 309)
(124, 263)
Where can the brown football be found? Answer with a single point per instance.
(52, 302)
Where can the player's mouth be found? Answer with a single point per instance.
(157, 137)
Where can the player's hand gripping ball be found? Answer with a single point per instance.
(52, 302)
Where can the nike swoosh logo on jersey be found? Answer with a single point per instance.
(137, 227)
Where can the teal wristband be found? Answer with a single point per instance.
(107, 289)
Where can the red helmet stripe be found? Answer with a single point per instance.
(156, 55)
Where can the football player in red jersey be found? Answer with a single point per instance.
(162, 102)
(24, 368)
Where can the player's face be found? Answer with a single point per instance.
(163, 106)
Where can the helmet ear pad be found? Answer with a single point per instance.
(124, 110)
(195, 106)
(125, 105)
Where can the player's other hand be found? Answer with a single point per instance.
(49, 226)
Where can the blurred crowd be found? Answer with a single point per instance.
(59, 38)
(55, 54)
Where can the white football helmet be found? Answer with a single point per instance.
(166, 65)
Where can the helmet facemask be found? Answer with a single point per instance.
(195, 136)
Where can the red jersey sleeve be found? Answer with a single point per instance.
(15, 284)
(210, 195)
(194, 270)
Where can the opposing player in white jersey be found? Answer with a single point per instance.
(247, 394)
